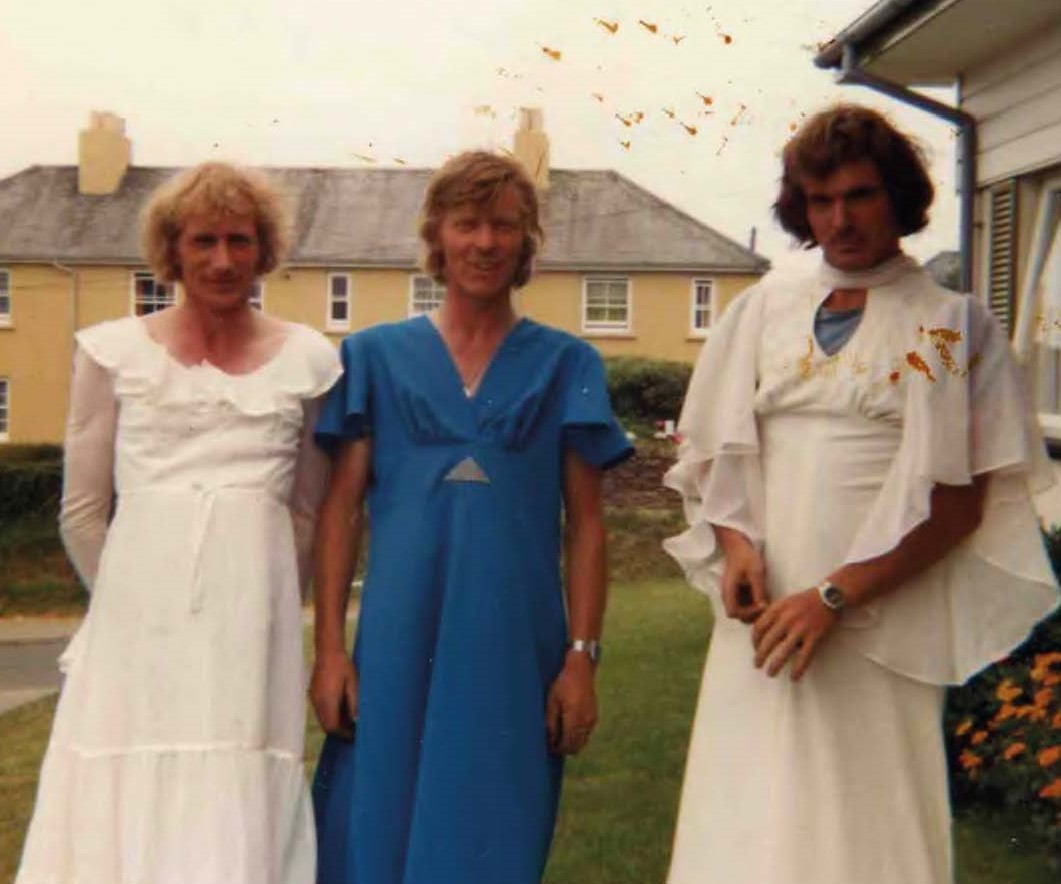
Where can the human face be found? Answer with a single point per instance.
(851, 216)
(481, 247)
(218, 257)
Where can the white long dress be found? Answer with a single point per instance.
(823, 460)
(176, 750)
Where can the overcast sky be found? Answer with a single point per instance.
(691, 100)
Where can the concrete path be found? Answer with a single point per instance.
(29, 648)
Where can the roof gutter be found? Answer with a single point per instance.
(850, 72)
(874, 20)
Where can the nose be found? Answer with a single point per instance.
(484, 238)
(840, 213)
(220, 257)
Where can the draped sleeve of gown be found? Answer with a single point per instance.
(176, 750)
(462, 626)
(822, 460)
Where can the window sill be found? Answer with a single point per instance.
(618, 334)
(337, 329)
(698, 336)
(6, 324)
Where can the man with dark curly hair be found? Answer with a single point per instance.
(857, 464)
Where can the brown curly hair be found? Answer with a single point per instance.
(476, 178)
(212, 188)
(846, 133)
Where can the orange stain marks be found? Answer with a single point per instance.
(919, 365)
(677, 38)
(638, 116)
(742, 109)
(598, 96)
(668, 112)
(648, 26)
(806, 361)
(554, 54)
(706, 99)
(624, 120)
(610, 26)
(722, 145)
(893, 378)
(625, 145)
(792, 127)
(485, 110)
(941, 339)
(364, 157)
(692, 130)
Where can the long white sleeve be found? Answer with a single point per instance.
(311, 479)
(88, 466)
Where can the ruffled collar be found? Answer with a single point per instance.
(883, 274)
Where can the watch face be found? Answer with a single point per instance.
(834, 598)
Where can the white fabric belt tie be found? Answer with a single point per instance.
(206, 500)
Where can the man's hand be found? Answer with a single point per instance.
(571, 707)
(743, 576)
(792, 627)
(333, 692)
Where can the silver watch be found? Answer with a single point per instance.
(832, 596)
(589, 646)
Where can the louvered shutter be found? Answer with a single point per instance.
(1001, 273)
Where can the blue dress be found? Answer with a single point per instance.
(462, 626)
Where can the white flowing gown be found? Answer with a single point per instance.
(824, 460)
(176, 750)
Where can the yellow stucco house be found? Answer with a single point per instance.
(620, 267)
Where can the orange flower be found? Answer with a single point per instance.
(962, 729)
(1049, 756)
(969, 760)
(977, 738)
(1055, 723)
(1051, 790)
(1043, 697)
(1032, 713)
(1006, 710)
(1007, 691)
(1013, 750)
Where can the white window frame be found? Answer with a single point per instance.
(5, 297)
(257, 298)
(437, 288)
(5, 409)
(134, 299)
(1047, 219)
(606, 327)
(330, 323)
(695, 309)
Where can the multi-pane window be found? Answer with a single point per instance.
(339, 300)
(5, 405)
(606, 304)
(5, 297)
(1037, 339)
(703, 305)
(150, 295)
(257, 298)
(426, 295)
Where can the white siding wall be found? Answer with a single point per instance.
(1017, 101)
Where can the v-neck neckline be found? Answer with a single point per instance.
(454, 371)
(818, 349)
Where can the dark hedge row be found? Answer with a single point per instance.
(646, 389)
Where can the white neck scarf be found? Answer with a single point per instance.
(883, 274)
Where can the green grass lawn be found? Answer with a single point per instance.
(621, 795)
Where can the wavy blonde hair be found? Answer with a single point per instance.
(476, 178)
(213, 189)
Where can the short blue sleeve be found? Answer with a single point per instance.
(590, 427)
(346, 411)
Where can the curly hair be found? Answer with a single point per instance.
(847, 133)
(213, 189)
(476, 178)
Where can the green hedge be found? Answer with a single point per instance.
(646, 389)
(1004, 731)
(31, 480)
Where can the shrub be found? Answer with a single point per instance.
(1003, 730)
(646, 389)
(31, 480)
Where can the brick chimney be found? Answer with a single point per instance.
(531, 146)
(103, 154)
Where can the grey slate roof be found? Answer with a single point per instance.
(594, 220)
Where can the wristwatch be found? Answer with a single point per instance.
(832, 596)
(589, 646)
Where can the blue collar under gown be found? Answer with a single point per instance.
(462, 625)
